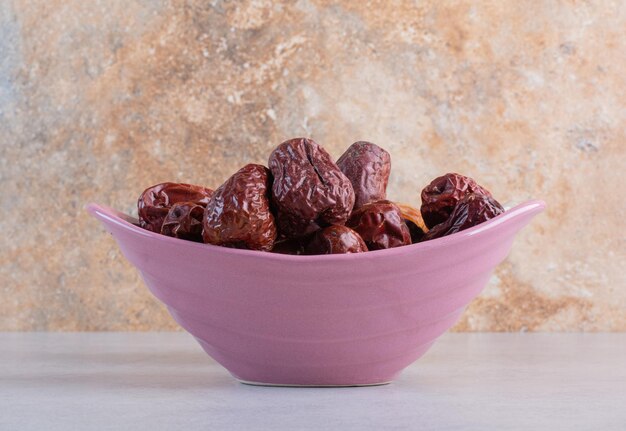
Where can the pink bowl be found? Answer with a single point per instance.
(350, 319)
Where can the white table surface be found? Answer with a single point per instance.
(154, 381)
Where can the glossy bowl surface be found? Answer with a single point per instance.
(352, 319)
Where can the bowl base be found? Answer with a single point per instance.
(294, 385)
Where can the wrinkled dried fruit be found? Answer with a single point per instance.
(335, 240)
(238, 214)
(367, 166)
(184, 221)
(441, 196)
(155, 202)
(309, 190)
(381, 225)
(473, 209)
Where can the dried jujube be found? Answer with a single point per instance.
(473, 209)
(309, 191)
(184, 221)
(381, 225)
(155, 202)
(238, 214)
(307, 204)
(367, 166)
(335, 240)
(441, 196)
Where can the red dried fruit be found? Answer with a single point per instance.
(155, 202)
(381, 225)
(473, 209)
(335, 240)
(309, 190)
(367, 166)
(184, 221)
(238, 214)
(443, 193)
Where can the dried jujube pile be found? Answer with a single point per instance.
(305, 203)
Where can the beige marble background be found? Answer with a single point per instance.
(100, 99)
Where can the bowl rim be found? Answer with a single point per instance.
(110, 215)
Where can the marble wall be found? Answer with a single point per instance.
(100, 99)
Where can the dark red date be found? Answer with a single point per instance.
(184, 221)
(156, 201)
(472, 210)
(367, 166)
(441, 196)
(335, 240)
(381, 225)
(309, 191)
(238, 214)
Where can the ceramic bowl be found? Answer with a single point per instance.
(329, 320)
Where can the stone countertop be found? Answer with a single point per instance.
(154, 381)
